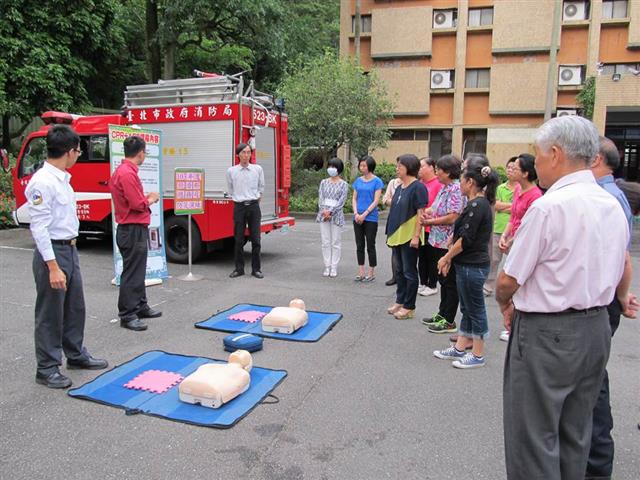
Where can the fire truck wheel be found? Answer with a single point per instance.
(176, 235)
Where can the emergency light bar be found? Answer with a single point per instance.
(56, 117)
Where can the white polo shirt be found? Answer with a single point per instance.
(52, 207)
(569, 251)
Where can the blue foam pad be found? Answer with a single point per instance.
(109, 389)
(318, 324)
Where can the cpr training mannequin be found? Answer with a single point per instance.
(214, 384)
(286, 319)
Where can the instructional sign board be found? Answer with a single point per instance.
(189, 191)
(150, 175)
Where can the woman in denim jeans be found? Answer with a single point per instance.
(470, 254)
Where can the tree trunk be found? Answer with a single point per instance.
(170, 61)
(153, 46)
(6, 134)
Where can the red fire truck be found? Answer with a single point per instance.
(202, 119)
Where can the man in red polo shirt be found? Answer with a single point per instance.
(132, 216)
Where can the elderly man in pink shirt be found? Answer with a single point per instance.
(564, 268)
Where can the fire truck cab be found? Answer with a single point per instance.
(201, 120)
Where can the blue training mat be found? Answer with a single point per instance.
(109, 389)
(318, 324)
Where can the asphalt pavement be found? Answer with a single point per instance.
(368, 401)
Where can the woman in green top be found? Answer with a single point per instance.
(504, 197)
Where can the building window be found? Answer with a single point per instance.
(409, 135)
(445, 18)
(614, 8)
(440, 143)
(480, 16)
(365, 23)
(621, 68)
(477, 78)
(474, 141)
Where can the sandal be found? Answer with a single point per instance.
(359, 278)
(369, 279)
(407, 314)
(394, 308)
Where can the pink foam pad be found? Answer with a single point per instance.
(249, 316)
(154, 381)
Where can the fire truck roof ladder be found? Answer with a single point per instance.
(190, 91)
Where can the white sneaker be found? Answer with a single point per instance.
(421, 289)
(504, 336)
(426, 291)
(333, 273)
(327, 272)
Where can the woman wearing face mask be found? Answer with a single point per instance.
(331, 197)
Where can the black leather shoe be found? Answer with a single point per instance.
(235, 274)
(149, 313)
(391, 281)
(135, 324)
(257, 274)
(88, 364)
(53, 380)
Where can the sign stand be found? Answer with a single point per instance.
(190, 277)
(189, 199)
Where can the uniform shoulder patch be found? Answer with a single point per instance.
(36, 197)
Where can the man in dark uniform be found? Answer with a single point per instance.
(133, 216)
(60, 308)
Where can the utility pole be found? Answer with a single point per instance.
(552, 77)
(356, 30)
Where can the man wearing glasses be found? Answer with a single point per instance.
(60, 308)
(133, 215)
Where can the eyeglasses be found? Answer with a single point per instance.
(78, 151)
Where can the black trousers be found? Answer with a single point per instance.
(60, 314)
(133, 242)
(406, 275)
(247, 216)
(366, 232)
(600, 463)
(449, 299)
(428, 257)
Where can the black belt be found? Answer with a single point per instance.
(64, 242)
(568, 311)
(247, 203)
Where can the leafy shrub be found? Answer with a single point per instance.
(502, 173)
(386, 172)
(7, 201)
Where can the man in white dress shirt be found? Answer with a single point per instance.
(563, 269)
(60, 308)
(245, 185)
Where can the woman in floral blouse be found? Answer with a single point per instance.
(440, 218)
(331, 197)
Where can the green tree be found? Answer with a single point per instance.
(49, 51)
(587, 97)
(331, 103)
(216, 27)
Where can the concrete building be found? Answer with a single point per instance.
(482, 75)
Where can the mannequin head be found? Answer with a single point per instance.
(297, 303)
(242, 358)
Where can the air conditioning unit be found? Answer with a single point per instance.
(443, 19)
(570, 75)
(441, 79)
(575, 10)
(563, 112)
